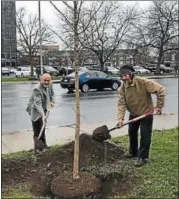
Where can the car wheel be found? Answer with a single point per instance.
(115, 86)
(85, 88)
(70, 90)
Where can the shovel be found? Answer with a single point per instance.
(44, 124)
(103, 133)
(38, 143)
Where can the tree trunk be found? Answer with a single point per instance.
(77, 97)
(159, 60)
(31, 66)
(102, 65)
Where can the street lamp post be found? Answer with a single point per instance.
(40, 31)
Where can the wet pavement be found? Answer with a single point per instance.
(95, 106)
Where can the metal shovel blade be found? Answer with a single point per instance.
(103, 133)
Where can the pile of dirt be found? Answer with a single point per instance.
(40, 170)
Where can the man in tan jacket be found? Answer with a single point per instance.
(135, 96)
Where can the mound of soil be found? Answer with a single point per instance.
(65, 187)
(40, 170)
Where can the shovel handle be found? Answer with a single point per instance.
(44, 124)
(133, 120)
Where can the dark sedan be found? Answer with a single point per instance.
(90, 80)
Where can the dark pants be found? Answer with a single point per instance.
(145, 133)
(37, 125)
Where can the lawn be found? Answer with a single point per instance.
(159, 178)
(23, 79)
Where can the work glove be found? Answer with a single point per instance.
(157, 110)
(120, 123)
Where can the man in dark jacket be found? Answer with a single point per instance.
(135, 96)
(41, 100)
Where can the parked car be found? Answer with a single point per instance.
(48, 69)
(5, 71)
(165, 69)
(151, 67)
(112, 70)
(12, 70)
(93, 67)
(23, 71)
(90, 80)
(65, 71)
(141, 70)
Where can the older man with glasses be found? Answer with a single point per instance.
(135, 96)
(41, 100)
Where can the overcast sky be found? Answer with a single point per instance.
(48, 13)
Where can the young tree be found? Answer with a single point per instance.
(72, 30)
(28, 34)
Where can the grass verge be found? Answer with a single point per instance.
(23, 79)
(160, 176)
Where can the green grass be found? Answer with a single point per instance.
(23, 79)
(26, 154)
(18, 191)
(18, 79)
(160, 176)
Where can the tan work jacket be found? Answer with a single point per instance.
(136, 97)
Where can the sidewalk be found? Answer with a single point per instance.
(22, 140)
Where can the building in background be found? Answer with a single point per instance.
(8, 33)
(49, 47)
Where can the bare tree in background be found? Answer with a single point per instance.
(28, 35)
(72, 30)
(108, 30)
(158, 29)
(162, 27)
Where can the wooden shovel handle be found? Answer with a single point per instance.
(44, 124)
(133, 120)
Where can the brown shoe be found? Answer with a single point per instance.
(140, 162)
(129, 155)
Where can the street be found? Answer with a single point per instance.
(95, 106)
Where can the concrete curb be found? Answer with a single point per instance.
(22, 140)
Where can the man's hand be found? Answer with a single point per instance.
(44, 118)
(120, 123)
(52, 104)
(157, 110)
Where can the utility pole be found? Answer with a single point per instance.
(40, 31)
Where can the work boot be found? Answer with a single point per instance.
(38, 144)
(140, 162)
(129, 155)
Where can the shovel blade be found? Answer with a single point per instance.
(101, 133)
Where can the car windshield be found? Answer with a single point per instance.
(73, 74)
(137, 67)
(101, 74)
(49, 68)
